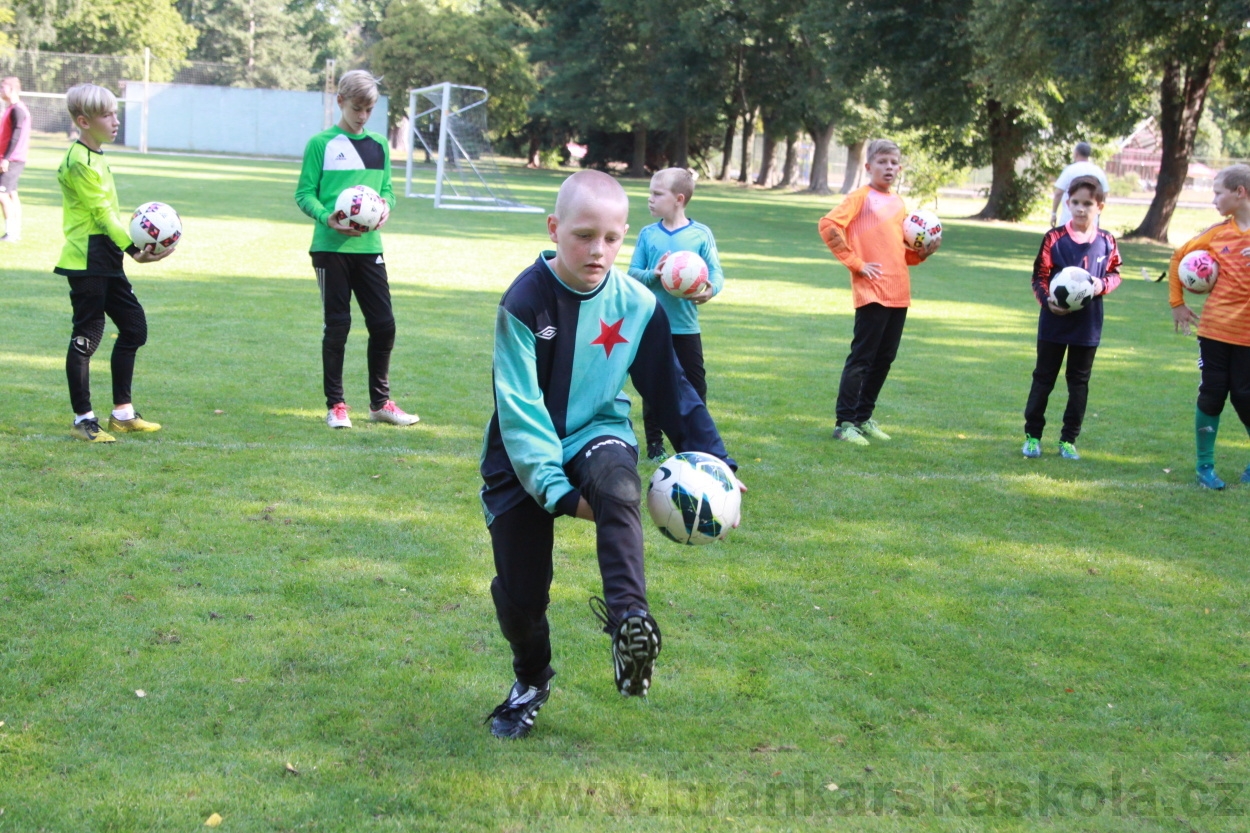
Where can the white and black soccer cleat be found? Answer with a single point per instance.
(635, 645)
(514, 717)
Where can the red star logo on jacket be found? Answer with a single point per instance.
(610, 336)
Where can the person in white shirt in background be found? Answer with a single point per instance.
(1081, 166)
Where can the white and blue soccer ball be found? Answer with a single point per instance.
(361, 206)
(157, 225)
(694, 498)
(1071, 288)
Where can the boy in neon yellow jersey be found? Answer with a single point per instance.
(95, 238)
(347, 261)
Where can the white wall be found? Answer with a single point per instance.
(231, 120)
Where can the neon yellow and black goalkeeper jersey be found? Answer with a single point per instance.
(335, 160)
(95, 235)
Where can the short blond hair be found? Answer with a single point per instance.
(1234, 177)
(678, 180)
(90, 101)
(880, 146)
(359, 85)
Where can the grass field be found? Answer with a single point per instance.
(933, 634)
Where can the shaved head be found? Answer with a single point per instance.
(594, 186)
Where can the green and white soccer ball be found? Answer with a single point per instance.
(694, 498)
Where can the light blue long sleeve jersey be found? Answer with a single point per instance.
(654, 242)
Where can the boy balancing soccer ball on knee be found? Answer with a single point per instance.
(1224, 331)
(95, 239)
(568, 331)
(670, 193)
(348, 261)
(865, 232)
(1080, 243)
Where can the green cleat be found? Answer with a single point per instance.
(849, 433)
(870, 428)
(89, 430)
(1032, 447)
(1068, 451)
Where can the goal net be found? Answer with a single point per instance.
(448, 125)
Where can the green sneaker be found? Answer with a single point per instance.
(1032, 447)
(870, 428)
(1068, 451)
(848, 432)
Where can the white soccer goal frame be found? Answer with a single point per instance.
(446, 195)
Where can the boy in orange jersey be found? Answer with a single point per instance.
(1224, 332)
(865, 232)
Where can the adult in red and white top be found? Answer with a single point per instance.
(14, 143)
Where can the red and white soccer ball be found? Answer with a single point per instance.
(1198, 271)
(694, 498)
(683, 273)
(920, 227)
(1071, 288)
(157, 225)
(361, 206)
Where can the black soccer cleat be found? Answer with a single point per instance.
(635, 645)
(514, 717)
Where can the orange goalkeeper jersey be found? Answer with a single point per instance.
(1226, 314)
(868, 228)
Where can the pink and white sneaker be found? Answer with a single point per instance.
(393, 414)
(337, 416)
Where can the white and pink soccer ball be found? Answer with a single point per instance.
(683, 273)
(920, 227)
(157, 225)
(1198, 271)
(361, 206)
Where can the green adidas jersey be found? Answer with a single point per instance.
(95, 234)
(334, 160)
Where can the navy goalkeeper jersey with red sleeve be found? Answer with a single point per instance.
(1098, 255)
(560, 363)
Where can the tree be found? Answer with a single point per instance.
(7, 19)
(1174, 49)
(262, 40)
(420, 46)
(126, 27)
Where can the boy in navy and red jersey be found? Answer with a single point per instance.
(1081, 243)
(568, 332)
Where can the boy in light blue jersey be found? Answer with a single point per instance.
(670, 193)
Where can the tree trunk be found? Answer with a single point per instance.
(770, 151)
(748, 145)
(638, 167)
(791, 163)
(1006, 146)
(681, 144)
(818, 182)
(1182, 95)
(728, 147)
(533, 156)
(854, 166)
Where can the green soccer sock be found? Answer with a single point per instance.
(1205, 429)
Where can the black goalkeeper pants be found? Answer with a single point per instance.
(339, 276)
(878, 332)
(92, 298)
(1045, 374)
(605, 470)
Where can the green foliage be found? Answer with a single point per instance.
(7, 18)
(126, 27)
(265, 41)
(1125, 186)
(422, 45)
(924, 172)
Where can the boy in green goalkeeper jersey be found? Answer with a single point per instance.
(95, 238)
(346, 260)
